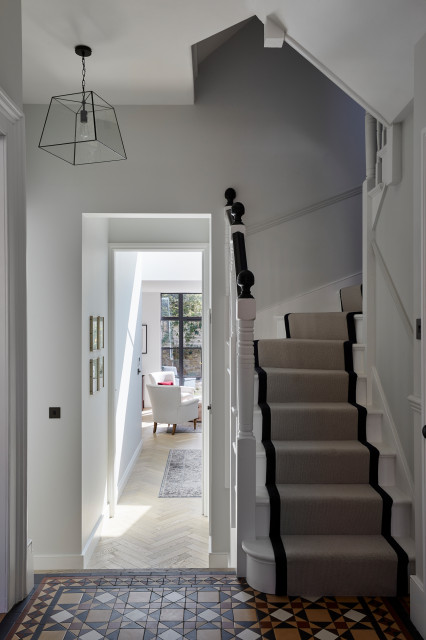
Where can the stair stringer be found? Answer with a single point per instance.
(403, 477)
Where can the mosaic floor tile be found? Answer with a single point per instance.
(195, 606)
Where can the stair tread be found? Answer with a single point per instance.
(300, 491)
(319, 445)
(316, 546)
(312, 406)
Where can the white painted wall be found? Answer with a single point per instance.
(94, 417)
(329, 238)
(127, 358)
(255, 127)
(270, 321)
(417, 586)
(148, 229)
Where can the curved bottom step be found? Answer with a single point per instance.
(326, 565)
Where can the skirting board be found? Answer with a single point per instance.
(218, 560)
(58, 562)
(93, 539)
(30, 566)
(123, 481)
(55, 562)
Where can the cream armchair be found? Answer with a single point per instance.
(168, 405)
(168, 376)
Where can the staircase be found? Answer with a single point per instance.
(324, 523)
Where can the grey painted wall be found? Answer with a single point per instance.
(264, 122)
(11, 49)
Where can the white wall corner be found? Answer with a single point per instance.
(126, 475)
(274, 34)
(93, 539)
(391, 154)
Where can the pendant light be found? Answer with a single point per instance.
(82, 128)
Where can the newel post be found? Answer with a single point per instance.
(246, 442)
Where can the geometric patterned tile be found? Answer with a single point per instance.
(196, 605)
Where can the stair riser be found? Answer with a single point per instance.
(374, 429)
(358, 354)
(261, 576)
(308, 387)
(361, 393)
(387, 465)
(322, 467)
(401, 519)
(359, 328)
(386, 470)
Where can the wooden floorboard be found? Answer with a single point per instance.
(148, 531)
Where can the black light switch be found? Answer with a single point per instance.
(54, 412)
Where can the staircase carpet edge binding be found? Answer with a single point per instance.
(275, 504)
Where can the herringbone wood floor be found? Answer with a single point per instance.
(152, 532)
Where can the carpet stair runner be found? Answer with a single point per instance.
(329, 521)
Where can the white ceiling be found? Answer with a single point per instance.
(142, 48)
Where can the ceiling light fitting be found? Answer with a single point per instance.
(82, 128)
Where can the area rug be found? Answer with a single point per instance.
(182, 475)
(195, 605)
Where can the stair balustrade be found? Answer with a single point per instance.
(240, 387)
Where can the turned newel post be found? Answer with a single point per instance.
(230, 195)
(246, 314)
(246, 442)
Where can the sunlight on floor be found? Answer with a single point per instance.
(126, 515)
(149, 531)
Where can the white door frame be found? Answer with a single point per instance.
(200, 247)
(13, 355)
(418, 582)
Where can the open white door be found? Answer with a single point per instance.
(418, 586)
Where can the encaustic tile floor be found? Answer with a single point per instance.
(197, 605)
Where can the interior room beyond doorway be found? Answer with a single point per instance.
(149, 531)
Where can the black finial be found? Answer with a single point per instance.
(245, 281)
(230, 195)
(238, 211)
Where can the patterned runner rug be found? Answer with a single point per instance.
(182, 475)
(195, 605)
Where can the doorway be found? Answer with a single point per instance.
(131, 539)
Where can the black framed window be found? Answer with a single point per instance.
(181, 334)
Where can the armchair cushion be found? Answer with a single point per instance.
(167, 383)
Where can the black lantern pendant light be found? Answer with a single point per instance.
(82, 128)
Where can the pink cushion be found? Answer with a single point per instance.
(166, 384)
